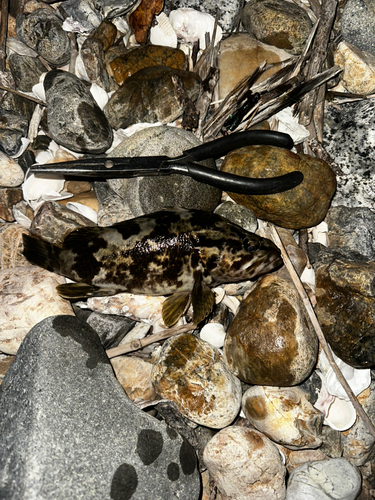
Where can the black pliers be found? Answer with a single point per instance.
(123, 167)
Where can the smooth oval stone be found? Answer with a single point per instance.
(74, 118)
(271, 341)
(151, 96)
(42, 31)
(277, 22)
(285, 415)
(301, 207)
(11, 174)
(134, 374)
(25, 70)
(124, 66)
(245, 465)
(192, 373)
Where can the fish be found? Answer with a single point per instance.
(176, 252)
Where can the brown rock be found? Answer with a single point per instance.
(141, 19)
(192, 373)
(124, 66)
(5, 363)
(301, 207)
(78, 187)
(277, 22)
(93, 59)
(11, 246)
(134, 374)
(8, 198)
(294, 458)
(270, 341)
(106, 33)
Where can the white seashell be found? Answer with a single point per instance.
(21, 218)
(74, 26)
(308, 277)
(319, 234)
(214, 334)
(341, 415)
(192, 25)
(232, 303)
(163, 33)
(219, 294)
(37, 189)
(24, 144)
(15, 45)
(289, 124)
(79, 208)
(80, 69)
(99, 94)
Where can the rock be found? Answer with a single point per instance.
(12, 128)
(25, 70)
(245, 465)
(11, 246)
(62, 385)
(42, 31)
(238, 214)
(149, 194)
(134, 374)
(105, 33)
(271, 341)
(141, 19)
(126, 65)
(28, 296)
(358, 444)
(239, 57)
(5, 362)
(93, 59)
(301, 207)
(77, 187)
(192, 373)
(358, 76)
(352, 230)
(324, 480)
(348, 137)
(151, 96)
(8, 198)
(358, 24)
(346, 305)
(277, 22)
(87, 199)
(112, 208)
(74, 119)
(11, 174)
(111, 329)
(284, 415)
(294, 458)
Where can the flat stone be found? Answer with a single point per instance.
(26, 71)
(238, 214)
(11, 246)
(73, 116)
(111, 329)
(61, 404)
(92, 54)
(357, 25)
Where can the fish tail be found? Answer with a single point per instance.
(41, 253)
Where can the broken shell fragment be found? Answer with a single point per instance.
(162, 33)
(192, 25)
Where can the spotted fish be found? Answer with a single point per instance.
(181, 253)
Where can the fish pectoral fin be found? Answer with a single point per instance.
(174, 307)
(202, 299)
(73, 291)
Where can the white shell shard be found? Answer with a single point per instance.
(87, 212)
(99, 94)
(73, 26)
(21, 218)
(219, 294)
(308, 277)
(288, 124)
(192, 25)
(232, 303)
(341, 415)
(319, 234)
(214, 334)
(38, 189)
(163, 33)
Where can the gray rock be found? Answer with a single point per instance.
(112, 208)
(68, 430)
(42, 31)
(349, 137)
(110, 328)
(12, 128)
(93, 58)
(74, 118)
(26, 71)
(358, 24)
(238, 214)
(324, 480)
(149, 194)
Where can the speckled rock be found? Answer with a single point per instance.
(358, 76)
(357, 25)
(270, 341)
(61, 404)
(301, 207)
(42, 31)
(25, 70)
(134, 374)
(324, 480)
(11, 246)
(238, 214)
(192, 373)
(277, 22)
(11, 174)
(73, 116)
(149, 194)
(13, 127)
(245, 465)
(92, 54)
(28, 295)
(126, 65)
(285, 415)
(150, 96)
(8, 198)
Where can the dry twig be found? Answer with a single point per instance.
(3, 33)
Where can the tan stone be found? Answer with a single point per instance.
(358, 76)
(134, 374)
(240, 55)
(87, 198)
(11, 246)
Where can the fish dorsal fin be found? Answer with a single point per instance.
(81, 235)
(202, 300)
(74, 291)
(174, 307)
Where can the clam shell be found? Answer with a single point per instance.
(163, 33)
(341, 415)
(87, 212)
(192, 25)
(214, 334)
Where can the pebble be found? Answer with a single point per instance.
(357, 25)
(245, 465)
(238, 214)
(73, 116)
(324, 480)
(192, 373)
(92, 54)
(358, 76)
(11, 246)
(149, 194)
(240, 55)
(42, 31)
(13, 127)
(285, 415)
(280, 23)
(61, 404)
(112, 208)
(301, 207)
(90, 15)
(134, 374)
(151, 96)
(8, 198)
(111, 329)
(126, 65)
(271, 341)
(28, 296)
(26, 71)
(11, 174)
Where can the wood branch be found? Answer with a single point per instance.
(135, 345)
(314, 320)
(3, 33)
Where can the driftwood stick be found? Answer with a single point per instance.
(21, 94)
(3, 33)
(314, 320)
(135, 345)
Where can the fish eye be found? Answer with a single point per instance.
(251, 245)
